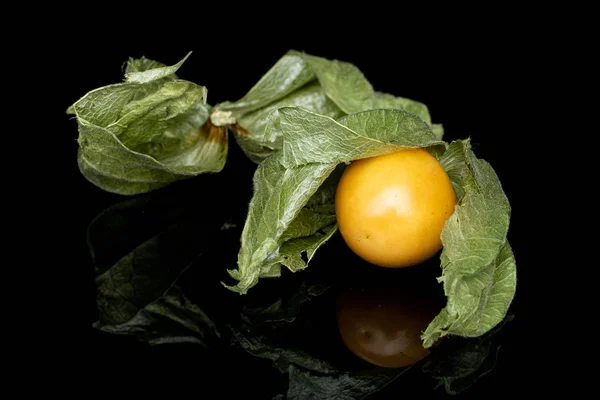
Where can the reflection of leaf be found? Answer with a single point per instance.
(462, 362)
(305, 385)
(282, 357)
(147, 132)
(139, 295)
(285, 308)
(478, 266)
(146, 251)
(171, 318)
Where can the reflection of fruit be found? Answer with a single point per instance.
(391, 209)
(384, 326)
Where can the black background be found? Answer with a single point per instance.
(476, 87)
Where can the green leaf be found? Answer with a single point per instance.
(313, 138)
(384, 100)
(291, 253)
(310, 97)
(438, 129)
(142, 64)
(144, 70)
(343, 83)
(145, 133)
(454, 162)
(475, 233)
(107, 163)
(327, 87)
(257, 151)
(478, 266)
(279, 196)
(291, 72)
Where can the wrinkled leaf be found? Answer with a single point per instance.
(122, 171)
(478, 266)
(453, 161)
(343, 83)
(145, 70)
(143, 134)
(252, 148)
(280, 195)
(327, 87)
(385, 100)
(313, 138)
(310, 97)
(287, 75)
(135, 65)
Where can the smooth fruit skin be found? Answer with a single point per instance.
(383, 326)
(391, 209)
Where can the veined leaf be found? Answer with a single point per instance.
(313, 138)
(107, 163)
(478, 266)
(287, 75)
(343, 83)
(310, 97)
(385, 100)
(327, 87)
(147, 132)
(279, 196)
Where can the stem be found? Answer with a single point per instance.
(222, 118)
(215, 133)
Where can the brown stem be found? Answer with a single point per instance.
(214, 133)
